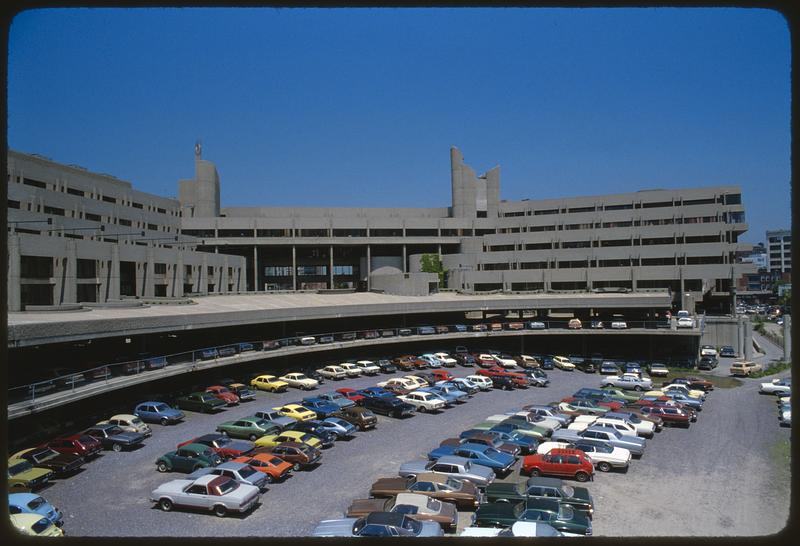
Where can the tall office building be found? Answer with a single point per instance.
(779, 249)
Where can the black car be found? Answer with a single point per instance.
(460, 349)
(727, 351)
(502, 382)
(113, 437)
(388, 405)
(547, 362)
(609, 367)
(464, 359)
(313, 427)
(314, 374)
(63, 464)
(707, 363)
(585, 365)
(427, 376)
(386, 365)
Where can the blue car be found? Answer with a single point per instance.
(461, 384)
(460, 327)
(633, 367)
(448, 399)
(373, 392)
(158, 412)
(340, 427)
(527, 445)
(444, 390)
(547, 362)
(502, 463)
(337, 398)
(30, 503)
(693, 403)
(426, 330)
(323, 408)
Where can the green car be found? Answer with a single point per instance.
(628, 396)
(561, 516)
(578, 498)
(200, 401)
(23, 475)
(187, 459)
(250, 428)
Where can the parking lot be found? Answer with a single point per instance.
(719, 477)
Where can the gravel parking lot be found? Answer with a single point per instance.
(716, 478)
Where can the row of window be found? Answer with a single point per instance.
(728, 199)
(645, 241)
(91, 195)
(308, 270)
(41, 267)
(727, 218)
(583, 264)
(373, 232)
(57, 211)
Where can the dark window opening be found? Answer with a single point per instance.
(423, 232)
(629, 206)
(615, 242)
(538, 246)
(576, 244)
(87, 292)
(235, 233)
(92, 217)
(86, 269)
(108, 199)
(533, 265)
(160, 290)
(53, 210)
(657, 205)
(709, 201)
(386, 232)
(36, 294)
(13, 204)
(34, 183)
(36, 267)
(202, 233)
(73, 191)
(356, 232)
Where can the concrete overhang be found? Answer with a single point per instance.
(38, 328)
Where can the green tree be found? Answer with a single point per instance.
(431, 263)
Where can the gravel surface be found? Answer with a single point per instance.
(716, 478)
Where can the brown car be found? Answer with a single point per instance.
(424, 508)
(692, 383)
(655, 419)
(361, 417)
(484, 439)
(299, 454)
(405, 362)
(462, 493)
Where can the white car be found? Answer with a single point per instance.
(505, 361)
(625, 427)
(432, 360)
(691, 393)
(708, 350)
(332, 372)
(351, 369)
(618, 324)
(545, 447)
(446, 359)
(423, 401)
(785, 416)
(401, 382)
(627, 382)
(219, 494)
(484, 383)
(685, 322)
(368, 367)
(299, 381)
(528, 361)
(128, 423)
(417, 381)
(605, 456)
(781, 387)
(519, 529)
(465, 383)
(535, 419)
(563, 363)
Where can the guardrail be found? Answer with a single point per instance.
(194, 359)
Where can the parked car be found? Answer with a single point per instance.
(548, 411)
(501, 463)
(727, 351)
(79, 444)
(323, 408)
(386, 366)
(351, 369)
(574, 324)
(423, 401)
(317, 429)
(188, 458)
(200, 401)
(405, 362)
(157, 412)
(744, 368)
(218, 494)
(332, 372)
(389, 405)
(628, 382)
(338, 426)
(484, 383)
(484, 439)
(707, 363)
(417, 506)
(780, 387)
(618, 325)
(300, 381)
(368, 367)
(537, 325)
(377, 524)
(222, 445)
(603, 455)
(250, 428)
(114, 438)
(559, 462)
(563, 518)
(537, 487)
(563, 363)
(361, 417)
(465, 359)
(34, 525)
(685, 322)
(224, 394)
(273, 468)
(22, 475)
(352, 395)
(691, 382)
(61, 464)
(671, 416)
(444, 488)
(456, 467)
(446, 360)
(270, 383)
(609, 367)
(465, 385)
(300, 455)
(239, 472)
(274, 417)
(295, 436)
(296, 411)
(527, 444)
(31, 503)
(337, 398)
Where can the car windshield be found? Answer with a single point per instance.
(299, 377)
(36, 503)
(114, 430)
(40, 526)
(411, 525)
(247, 471)
(227, 486)
(565, 512)
(434, 504)
(491, 452)
(20, 467)
(262, 423)
(207, 454)
(275, 461)
(44, 454)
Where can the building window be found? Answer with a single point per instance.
(424, 232)
(702, 260)
(544, 212)
(581, 209)
(615, 242)
(578, 226)
(312, 270)
(708, 201)
(703, 239)
(576, 244)
(617, 224)
(657, 205)
(625, 262)
(202, 233)
(538, 246)
(501, 248)
(124, 222)
(386, 232)
(160, 269)
(160, 290)
(73, 191)
(34, 183)
(659, 261)
(162, 211)
(323, 232)
(86, 269)
(629, 206)
(484, 231)
(137, 205)
(278, 271)
(152, 227)
(109, 199)
(573, 264)
(286, 232)
(343, 270)
(235, 233)
(36, 267)
(533, 265)
(53, 210)
(513, 214)
(13, 204)
(92, 217)
(36, 294)
(210, 270)
(658, 241)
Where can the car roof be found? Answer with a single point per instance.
(194, 447)
(452, 459)
(385, 518)
(232, 466)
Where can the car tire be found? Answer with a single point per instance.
(421, 409)
(268, 478)
(165, 504)
(253, 437)
(164, 421)
(117, 447)
(637, 388)
(220, 511)
(534, 472)
(603, 466)
(582, 476)
(224, 433)
(162, 467)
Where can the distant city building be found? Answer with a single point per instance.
(779, 246)
(682, 240)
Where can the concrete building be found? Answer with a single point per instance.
(779, 247)
(80, 237)
(681, 240)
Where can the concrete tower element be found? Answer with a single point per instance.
(471, 193)
(199, 197)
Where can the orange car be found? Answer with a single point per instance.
(274, 467)
(224, 394)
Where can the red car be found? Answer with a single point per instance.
(79, 444)
(520, 381)
(670, 415)
(614, 406)
(397, 390)
(224, 394)
(484, 360)
(351, 394)
(442, 375)
(570, 463)
(273, 467)
(222, 445)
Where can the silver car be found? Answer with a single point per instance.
(276, 418)
(449, 465)
(241, 472)
(377, 524)
(219, 494)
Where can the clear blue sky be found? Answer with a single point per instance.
(359, 107)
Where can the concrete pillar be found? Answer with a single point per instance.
(369, 267)
(70, 289)
(59, 274)
(176, 280)
(787, 338)
(405, 266)
(203, 277)
(226, 278)
(294, 267)
(748, 342)
(149, 288)
(743, 323)
(14, 286)
(255, 269)
(330, 272)
(113, 276)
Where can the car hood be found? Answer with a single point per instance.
(335, 528)
(362, 507)
(390, 484)
(240, 445)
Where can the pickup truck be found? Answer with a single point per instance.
(628, 382)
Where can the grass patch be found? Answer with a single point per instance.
(722, 382)
(772, 369)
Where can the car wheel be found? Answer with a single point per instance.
(269, 478)
(165, 505)
(224, 432)
(162, 467)
(581, 476)
(603, 466)
(117, 447)
(220, 510)
(637, 388)
(534, 472)
(296, 467)
(253, 437)
(421, 409)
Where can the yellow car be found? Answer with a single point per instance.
(563, 363)
(23, 475)
(271, 440)
(297, 411)
(693, 393)
(35, 525)
(269, 383)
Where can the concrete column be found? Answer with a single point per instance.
(787, 338)
(59, 274)
(112, 291)
(14, 275)
(255, 268)
(294, 267)
(149, 288)
(225, 278)
(330, 272)
(203, 277)
(405, 267)
(176, 290)
(369, 266)
(70, 289)
(748, 342)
